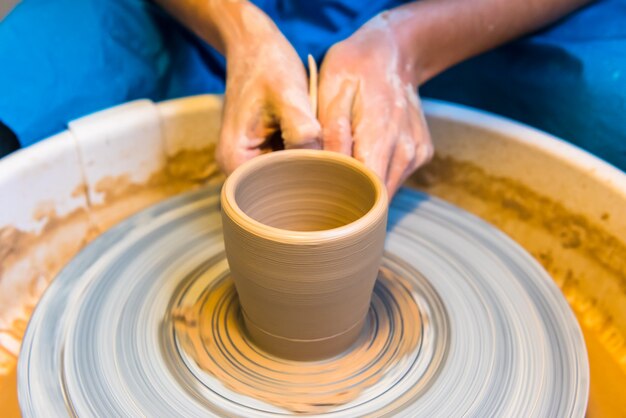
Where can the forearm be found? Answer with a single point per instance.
(437, 34)
(221, 23)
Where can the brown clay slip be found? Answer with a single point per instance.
(304, 232)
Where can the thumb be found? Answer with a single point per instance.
(299, 127)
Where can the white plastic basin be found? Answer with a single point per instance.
(566, 207)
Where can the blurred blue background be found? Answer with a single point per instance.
(62, 59)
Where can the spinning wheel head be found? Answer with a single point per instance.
(145, 321)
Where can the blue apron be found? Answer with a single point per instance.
(62, 59)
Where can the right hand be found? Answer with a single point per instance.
(266, 93)
(368, 103)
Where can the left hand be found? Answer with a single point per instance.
(369, 107)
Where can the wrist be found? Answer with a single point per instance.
(417, 40)
(423, 45)
(241, 24)
(394, 30)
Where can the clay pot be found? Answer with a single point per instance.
(304, 232)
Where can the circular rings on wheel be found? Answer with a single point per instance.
(145, 321)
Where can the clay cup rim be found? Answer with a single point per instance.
(238, 215)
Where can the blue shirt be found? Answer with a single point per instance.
(62, 59)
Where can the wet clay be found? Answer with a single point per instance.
(212, 333)
(304, 232)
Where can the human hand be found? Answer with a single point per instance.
(368, 104)
(266, 94)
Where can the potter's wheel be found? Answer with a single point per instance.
(145, 322)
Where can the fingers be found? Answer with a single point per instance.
(299, 128)
(288, 97)
(373, 146)
(413, 148)
(250, 121)
(392, 140)
(419, 130)
(266, 92)
(377, 125)
(241, 134)
(230, 154)
(335, 114)
(402, 161)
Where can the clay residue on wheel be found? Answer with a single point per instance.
(586, 261)
(212, 333)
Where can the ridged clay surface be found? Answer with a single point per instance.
(304, 232)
